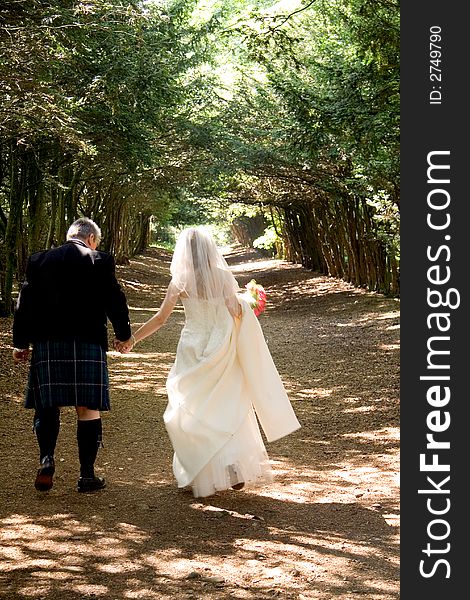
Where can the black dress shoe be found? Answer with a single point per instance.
(43, 481)
(90, 484)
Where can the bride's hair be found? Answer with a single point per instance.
(198, 268)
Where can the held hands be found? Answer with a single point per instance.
(124, 347)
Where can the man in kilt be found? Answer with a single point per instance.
(68, 294)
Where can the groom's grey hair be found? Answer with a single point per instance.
(82, 228)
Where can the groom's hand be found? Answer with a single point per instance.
(117, 345)
(20, 355)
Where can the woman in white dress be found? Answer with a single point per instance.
(223, 374)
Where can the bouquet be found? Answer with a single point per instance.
(255, 296)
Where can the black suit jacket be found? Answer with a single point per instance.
(68, 294)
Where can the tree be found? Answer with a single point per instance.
(172, 111)
(89, 120)
(310, 127)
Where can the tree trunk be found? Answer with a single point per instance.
(12, 229)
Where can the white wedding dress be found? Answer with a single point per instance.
(223, 374)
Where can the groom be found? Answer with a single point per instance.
(62, 310)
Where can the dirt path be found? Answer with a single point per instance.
(327, 528)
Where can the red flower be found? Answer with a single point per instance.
(256, 296)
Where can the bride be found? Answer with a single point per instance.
(222, 377)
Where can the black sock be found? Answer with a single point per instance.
(89, 435)
(46, 426)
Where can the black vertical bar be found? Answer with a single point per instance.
(435, 230)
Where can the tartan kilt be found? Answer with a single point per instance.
(68, 373)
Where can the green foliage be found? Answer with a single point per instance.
(310, 124)
(238, 114)
(268, 240)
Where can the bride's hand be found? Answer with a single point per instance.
(128, 345)
(234, 307)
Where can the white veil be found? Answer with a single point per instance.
(198, 268)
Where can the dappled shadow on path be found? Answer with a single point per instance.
(326, 528)
(135, 548)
